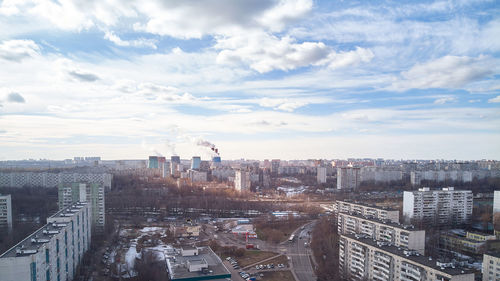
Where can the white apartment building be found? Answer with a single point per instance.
(93, 193)
(5, 212)
(366, 210)
(361, 258)
(348, 177)
(405, 236)
(379, 174)
(53, 252)
(416, 177)
(47, 179)
(321, 174)
(491, 267)
(241, 180)
(438, 207)
(496, 202)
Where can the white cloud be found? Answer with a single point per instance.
(446, 72)
(141, 42)
(17, 50)
(494, 100)
(282, 104)
(445, 100)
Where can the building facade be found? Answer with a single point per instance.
(242, 180)
(405, 236)
(438, 207)
(491, 267)
(53, 252)
(68, 193)
(361, 258)
(380, 175)
(195, 162)
(321, 174)
(5, 213)
(348, 177)
(47, 179)
(366, 210)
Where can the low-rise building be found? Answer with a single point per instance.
(191, 263)
(465, 242)
(361, 258)
(54, 251)
(491, 266)
(185, 230)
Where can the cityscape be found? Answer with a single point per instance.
(237, 140)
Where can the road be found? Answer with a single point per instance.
(300, 254)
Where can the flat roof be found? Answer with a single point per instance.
(368, 205)
(493, 254)
(416, 258)
(179, 271)
(43, 234)
(386, 222)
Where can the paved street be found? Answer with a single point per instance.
(300, 254)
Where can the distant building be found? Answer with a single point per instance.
(348, 177)
(438, 207)
(416, 177)
(491, 267)
(5, 212)
(197, 176)
(48, 179)
(365, 210)
(275, 166)
(466, 242)
(93, 193)
(153, 162)
(195, 162)
(54, 251)
(362, 258)
(321, 175)
(192, 263)
(242, 180)
(496, 212)
(380, 175)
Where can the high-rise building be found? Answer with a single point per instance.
(491, 266)
(93, 193)
(405, 236)
(365, 210)
(275, 166)
(241, 180)
(348, 177)
(5, 212)
(496, 212)
(153, 162)
(438, 207)
(195, 162)
(49, 179)
(321, 175)
(362, 258)
(54, 251)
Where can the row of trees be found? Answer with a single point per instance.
(325, 246)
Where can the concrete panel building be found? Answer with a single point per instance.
(491, 267)
(438, 207)
(405, 236)
(380, 175)
(368, 211)
(348, 177)
(361, 258)
(5, 213)
(241, 180)
(53, 252)
(321, 174)
(48, 179)
(68, 193)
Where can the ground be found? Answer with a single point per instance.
(277, 231)
(278, 276)
(251, 257)
(281, 259)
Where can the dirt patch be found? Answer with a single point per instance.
(251, 257)
(277, 276)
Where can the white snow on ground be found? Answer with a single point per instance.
(151, 229)
(131, 255)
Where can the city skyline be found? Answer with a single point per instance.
(261, 80)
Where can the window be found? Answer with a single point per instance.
(47, 256)
(66, 237)
(47, 274)
(57, 246)
(33, 271)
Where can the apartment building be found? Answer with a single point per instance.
(348, 177)
(438, 207)
(465, 241)
(361, 258)
(366, 210)
(53, 252)
(5, 213)
(242, 180)
(68, 193)
(48, 179)
(405, 236)
(491, 266)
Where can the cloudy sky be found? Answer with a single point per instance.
(260, 79)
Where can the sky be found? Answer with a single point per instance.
(260, 79)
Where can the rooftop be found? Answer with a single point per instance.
(34, 241)
(494, 254)
(412, 256)
(367, 205)
(179, 271)
(386, 222)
